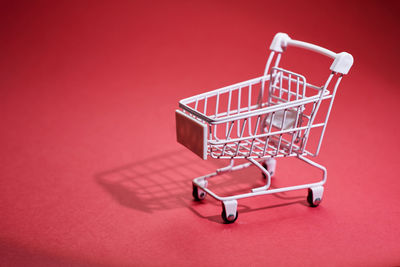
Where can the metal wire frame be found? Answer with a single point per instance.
(250, 129)
(267, 117)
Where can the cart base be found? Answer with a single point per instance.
(229, 204)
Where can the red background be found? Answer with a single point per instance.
(91, 173)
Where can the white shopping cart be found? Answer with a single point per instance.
(259, 120)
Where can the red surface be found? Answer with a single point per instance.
(91, 173)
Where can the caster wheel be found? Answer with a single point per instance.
(228, 219)
(198, 194)
(270, 165)
(313, 201)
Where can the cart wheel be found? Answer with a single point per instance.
(270, 165)
(198, 194)
(314, 197)
(228, 219)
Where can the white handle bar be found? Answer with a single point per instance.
(342, 61)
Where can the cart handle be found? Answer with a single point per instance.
(342, 61)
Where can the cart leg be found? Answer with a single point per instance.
(229, 211)
(226, 168)
(319, 166)
(266, 174)
(200, 183)
(316, 191)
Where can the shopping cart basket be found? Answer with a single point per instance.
(261, 119)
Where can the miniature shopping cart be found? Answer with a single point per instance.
(262, 119)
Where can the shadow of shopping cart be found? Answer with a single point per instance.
(156, 183)
(161, 182)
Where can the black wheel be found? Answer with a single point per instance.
(198, 196)
(231, 218)
(310, 201)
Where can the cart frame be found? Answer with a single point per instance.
(260, 127)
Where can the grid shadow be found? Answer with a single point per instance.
(164, 182)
